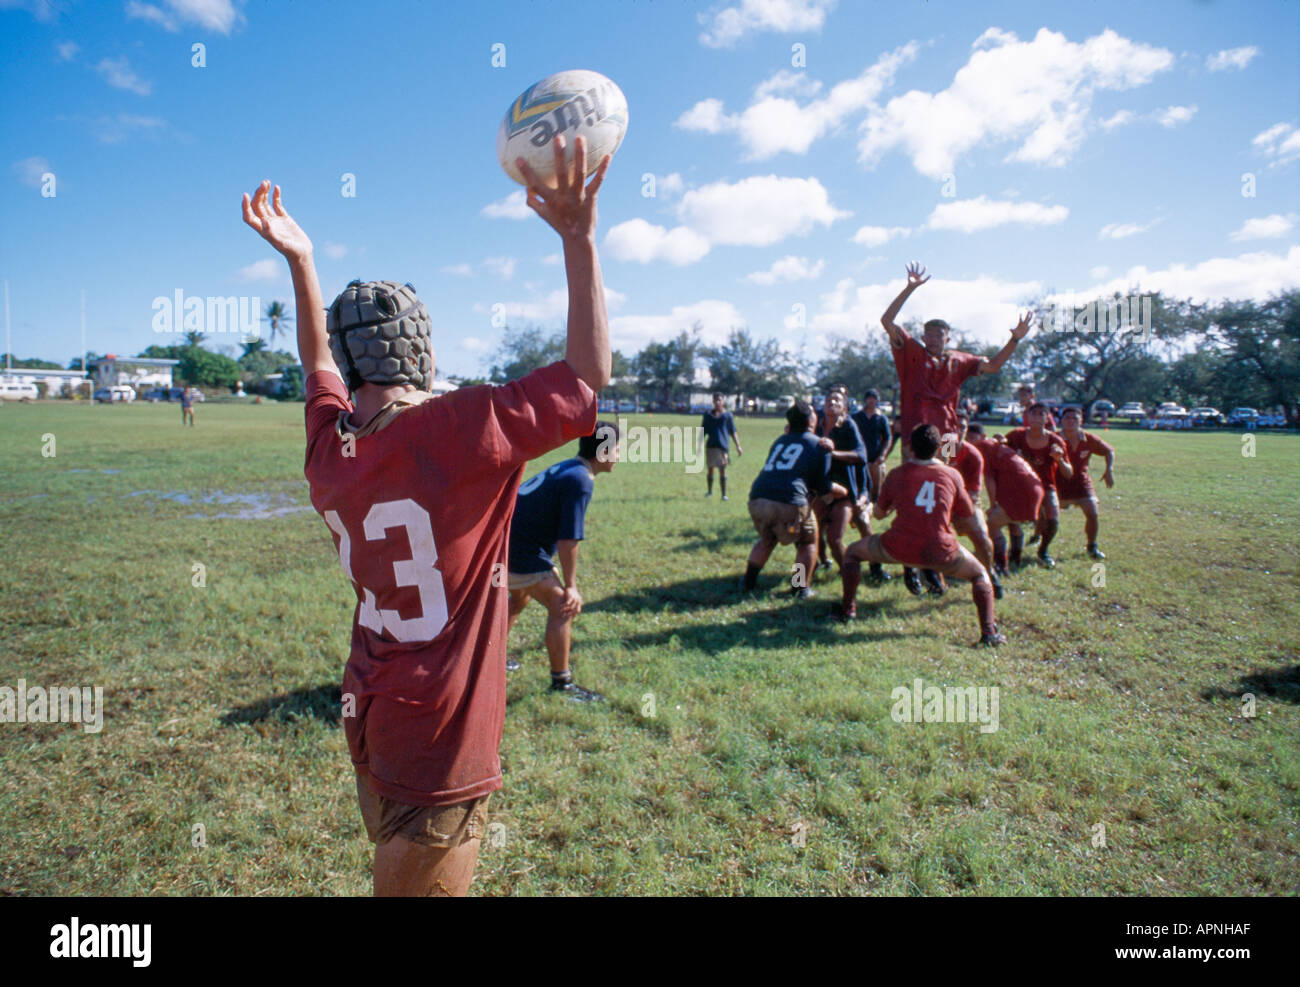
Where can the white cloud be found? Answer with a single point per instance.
(669, 186)
(42, 10)
(115, 129)
(117, 72)
(501, 267)
(1280, 142)
(788, 82)
(67, 50)
(1118, 120)
(789, 268)
(723, 28)
(513, 206)
(548, 308)
(1265, 227)
(1172, 116)
(266, 269)
(1231, 58)
(474, 344)
(458, 270)
(984, 307)
(31, 169)
(994, 37)
(552, 260)
(1118, 231)
(874, 236)
(758, 211)
(1099, 272)
(335, 251)
(643, 242)
(972, 215)
(214, 15)
(775, 123)
(1258, 276)
(1037, 94)
(717, 318)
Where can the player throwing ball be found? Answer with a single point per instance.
(417, 492)
(1077, 490)
(550, 517)
(927, 497)
(796, 470)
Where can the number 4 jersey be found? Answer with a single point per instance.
(926, 496)
(420, 513)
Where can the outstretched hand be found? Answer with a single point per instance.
(1022, 327)
(275, 225)
(570, 207)
(916, 275)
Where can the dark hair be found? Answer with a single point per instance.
(719, 394)
(938, 324)
(975, 430)
(1077, 409)
(1036, 406)
(589, 445)
(1025, 387)
(871, 393)
(798, 415)
(925, 441)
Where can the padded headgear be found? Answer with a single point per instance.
(379, 334)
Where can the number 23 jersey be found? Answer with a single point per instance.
(420, 513)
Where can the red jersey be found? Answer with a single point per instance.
(926, 497)
(1040, 459)
(420, 513)
(929, 388)
(1079, 486)
(1019, 490)
(969, 462)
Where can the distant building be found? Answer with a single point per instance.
(52, 379)
(137, 371)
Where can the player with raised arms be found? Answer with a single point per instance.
(797, 469)
(1077, 490)
(930, 376)
(551, 518)
(1045, 452)
(418, 492)
(928, 497)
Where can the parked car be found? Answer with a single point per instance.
(118, 394)
(1206, 416)
(1099, 408)
(1271, 421)
(626, 406)
(1170, 408)
(18, 392)
(1133, 411)
(1243, 416)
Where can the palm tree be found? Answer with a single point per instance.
(254, 345)
(280, 318)
(194, 337)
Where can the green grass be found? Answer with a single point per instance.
(1119, 704)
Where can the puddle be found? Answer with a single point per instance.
(246, 506)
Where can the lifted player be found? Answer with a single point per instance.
(719, 427)
(417, 492)
(797, 468)
(928, 497)
(1045, 452)
(1077, 490)
(550, 518)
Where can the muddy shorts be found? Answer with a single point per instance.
(427, 825)
(786, 523)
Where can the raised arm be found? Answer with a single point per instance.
(570, 210)
(278, 229)
(1004, 354)
(915, 278)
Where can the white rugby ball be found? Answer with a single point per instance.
(575, 103)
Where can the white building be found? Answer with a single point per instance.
(52, 379)
(137, 371)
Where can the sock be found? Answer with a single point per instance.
(722, 482)
(710, 483)
(982, 590)
(1017, 548)
(751, 575)
(850, 576)
(876, 570)
(563, 678)
(1049, 532)
(1000, 550)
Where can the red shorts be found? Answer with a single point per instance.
(921, 551)
(1021, 500)
(1072, 489)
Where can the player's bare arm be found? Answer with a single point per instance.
(570, 210)
(567, 551)
(916, 277)
(1062, 461)
(1017, 334)
(278, 229)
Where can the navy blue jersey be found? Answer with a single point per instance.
(550, 507)
(875, 433)
(717, 429)
(847, 438)
(796, 467)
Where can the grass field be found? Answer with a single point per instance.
(1119, 704)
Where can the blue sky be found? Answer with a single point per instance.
(1016, 149)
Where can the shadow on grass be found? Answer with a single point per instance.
(1278, 683)
(721, 540)
(324, 703)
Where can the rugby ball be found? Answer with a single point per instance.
(575, 103)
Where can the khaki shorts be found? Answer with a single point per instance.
(522, 580)
(786, 523)
(715, 458)
(427, 825)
